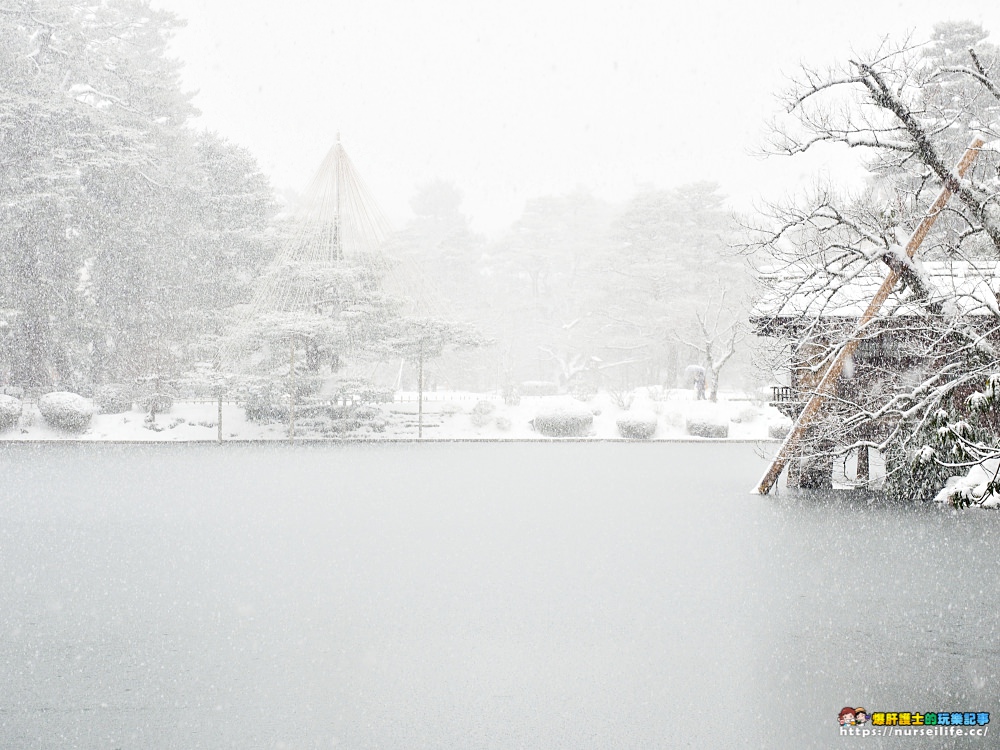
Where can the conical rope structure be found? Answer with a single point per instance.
(338, 228)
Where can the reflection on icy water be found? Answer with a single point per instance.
(471, 596)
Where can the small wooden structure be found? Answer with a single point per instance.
(890, 346)
(818, 363)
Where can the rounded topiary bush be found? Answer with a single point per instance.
(65, 411)
(484, 407)
(778, 430)
(637, 425)
(114, 398)
(563, 421)
(707, 428)
(10, 412)
(482, 413)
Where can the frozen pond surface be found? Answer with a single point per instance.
(472, 596)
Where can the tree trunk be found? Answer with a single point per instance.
(792, 478)
(863, 464)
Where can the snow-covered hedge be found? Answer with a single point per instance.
(707, 427)
(563, 421)
(114, 398)
(10, 412)
(65, 411)
(637, 425)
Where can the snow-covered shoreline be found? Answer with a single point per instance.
(448, 417)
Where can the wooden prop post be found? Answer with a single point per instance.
(291, 391)
(829, 381)
(420, 392)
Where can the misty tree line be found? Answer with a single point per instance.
(127, 236)
(584, 293)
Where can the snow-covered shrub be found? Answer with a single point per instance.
(511, 395)
(10, 412)
(622, 399)
(265, 404)
(450, 408)
(539, 388)
(376, 396)
(917, 474)
(503, 423)
(329, 411)
(155, 395)
(778, 430)
(367, 412)
(563, 421)
(707, 427)
(639, 425)
(65, 411)
(149, 423)
(582, 391)
(155, 403)
(260, 409)
(484, 407)
(480, 420)
(482, 413)
(342, 426)
(114, 398)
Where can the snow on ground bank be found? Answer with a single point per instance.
(447, 416)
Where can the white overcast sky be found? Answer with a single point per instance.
(522, 98)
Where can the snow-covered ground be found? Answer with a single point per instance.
(447, 416)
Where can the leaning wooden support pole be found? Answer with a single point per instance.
(291, 391)
(828, 383)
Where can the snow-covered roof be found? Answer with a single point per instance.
(963, 287)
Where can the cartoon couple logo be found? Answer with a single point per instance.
(851, 716)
